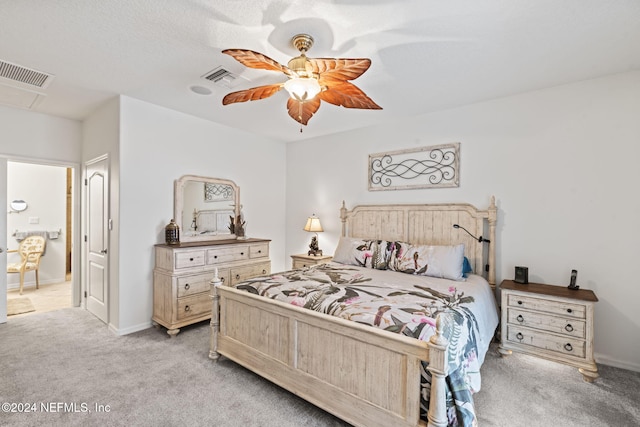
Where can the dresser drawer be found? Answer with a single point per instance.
(194, 306)
(563, 345)
(577, 311)
(561, 325)
(259, 250)
(196, 283)
(189, 259)
(222, 255)
(239, 274)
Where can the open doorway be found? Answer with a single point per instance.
(46, 192)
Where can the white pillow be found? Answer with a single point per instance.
(345, 250)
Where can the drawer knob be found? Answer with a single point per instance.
(187, 308)
(215, 257)
(237, 276)
(241, 253)
(568, 347)
(519, 336)
(190, 259)
(569, 310)
(187, 286)
(264, 271)
(520, 318)
(259, 251)
(568, 328)
(222, 279)
(519, 302)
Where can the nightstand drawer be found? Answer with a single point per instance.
(561, 325)
(577, 311)
(189, 259)
(298, 263)
(564, 345)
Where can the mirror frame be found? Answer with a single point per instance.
(178, 205)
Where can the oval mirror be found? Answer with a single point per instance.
(18, 205)
(204, 206)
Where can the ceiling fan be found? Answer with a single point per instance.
(311, 80)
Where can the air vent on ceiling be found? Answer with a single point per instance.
(223, 77)
(23, 77)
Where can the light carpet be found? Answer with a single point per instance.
(19, 305)
(68, 360)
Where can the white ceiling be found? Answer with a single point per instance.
(427, 55)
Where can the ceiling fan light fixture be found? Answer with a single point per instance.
(302, 88)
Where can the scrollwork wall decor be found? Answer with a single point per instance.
(217, 192)
(426, 167)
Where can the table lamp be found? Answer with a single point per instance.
(313, 225)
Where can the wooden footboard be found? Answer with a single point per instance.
(365, 376)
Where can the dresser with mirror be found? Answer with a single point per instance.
(206, 210)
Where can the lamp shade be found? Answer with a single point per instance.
(313, 224)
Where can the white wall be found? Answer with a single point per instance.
(562, 163)
(157, 146)
(43, 187)
(38, 136)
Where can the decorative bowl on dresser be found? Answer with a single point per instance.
(304, 260)
(182, 276)
(551, 322)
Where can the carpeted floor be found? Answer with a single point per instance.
(77, 373)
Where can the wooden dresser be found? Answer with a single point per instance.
(552, 322)
(182, 276)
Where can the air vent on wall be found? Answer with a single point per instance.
(23, 77)
(223, 77)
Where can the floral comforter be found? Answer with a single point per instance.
(404, 304)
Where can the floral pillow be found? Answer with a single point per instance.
(427, 260)
(365, 253)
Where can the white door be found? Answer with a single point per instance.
(3, 240)
(97, 284)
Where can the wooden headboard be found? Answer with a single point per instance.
(429, 224)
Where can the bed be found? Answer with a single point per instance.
(365, 375)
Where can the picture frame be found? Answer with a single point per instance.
(436, 166)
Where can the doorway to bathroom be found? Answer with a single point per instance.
(40, 202)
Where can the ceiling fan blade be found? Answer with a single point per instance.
(301, 112)
(340, 68)
(348, 95)
(256, 60)
(253, 94)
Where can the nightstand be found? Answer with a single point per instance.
(551, 322)
(304, 260)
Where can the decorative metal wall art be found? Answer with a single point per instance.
(217, 192)
(426, 167)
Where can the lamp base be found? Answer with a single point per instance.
(313, 247)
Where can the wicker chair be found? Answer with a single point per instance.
(31, 250)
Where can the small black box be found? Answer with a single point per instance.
(522, 275)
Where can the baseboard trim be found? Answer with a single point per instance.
(609, 361)
(130, 329)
